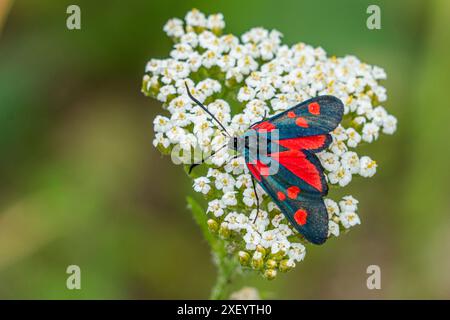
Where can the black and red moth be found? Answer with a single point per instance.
(298, 185)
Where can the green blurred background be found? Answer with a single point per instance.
(80, 182)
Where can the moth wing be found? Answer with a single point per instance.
(316, 116)
(297, 188)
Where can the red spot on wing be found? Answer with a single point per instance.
(314, 108)
(258, 169)
(291, 114)
(300, 216)
(301, 122)
(296, 162)
(293, 192)
(304, 143)
(266, 125)
(281, 196)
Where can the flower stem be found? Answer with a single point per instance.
(226, 266)
(226, 270)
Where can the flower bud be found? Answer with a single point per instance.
(257, 260)
(213, 226)
(271, 264)
(145, 81)
(261, 249)
(270, 274)
(244, 258)
(279, 255)
(286, 265)
(224, 232)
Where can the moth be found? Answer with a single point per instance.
(280, 153)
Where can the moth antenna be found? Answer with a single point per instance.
(205, 109)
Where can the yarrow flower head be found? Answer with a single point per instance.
(240, 79)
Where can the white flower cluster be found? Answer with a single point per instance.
(240, 80)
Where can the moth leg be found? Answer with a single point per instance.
(257, 200)
(192, 166)
(265, 115)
